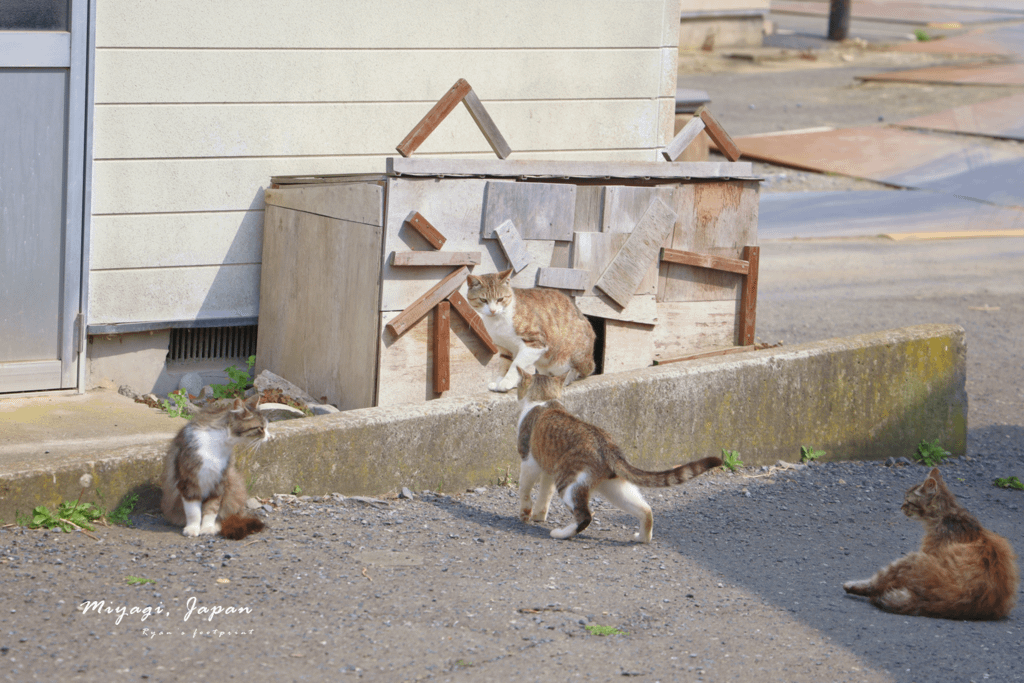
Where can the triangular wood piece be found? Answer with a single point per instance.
(460, 92)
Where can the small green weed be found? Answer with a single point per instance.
(297, 490)
(921, 35)
(598, 630)
(731, 460)
(68, 516)
(240, 381)
(807, 454)
(931, 454)
(179, 407)
(1009, 483)
(464, 662)
(504, 478)
(137, 580)
(121, 514)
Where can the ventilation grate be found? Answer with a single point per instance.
(212, 343)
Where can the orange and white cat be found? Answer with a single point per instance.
(962, 571)
(538, 327)
(577, 459)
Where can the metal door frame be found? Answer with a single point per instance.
(74, 51)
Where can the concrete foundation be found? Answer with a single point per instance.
(867, 397)
(735, 29)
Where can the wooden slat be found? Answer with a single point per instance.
(419, 308)
(435, 258)
(718, 135)
(689, 258)
(624, 274)
(486, 125)
(641, 309)
(625, 205)
(710, 354)
(681, 141)
(540, 211)
(563, 278)
(433, 118)
(627, 346)
(687, 327)
(472, 319)
(512, 244)
(442, 346)
(748, 301)
(430, 166)
(428, 231)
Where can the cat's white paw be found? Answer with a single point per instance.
(210, 529)
(503, 387)
(643, 539)
(191, 530)
(540, 516)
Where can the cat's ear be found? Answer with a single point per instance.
(253, 401)
(505, 275)
(236, 407)
(930, 485)
(934, 474)
(472, 280)
(524, 375)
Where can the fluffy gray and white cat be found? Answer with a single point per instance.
(202, 490)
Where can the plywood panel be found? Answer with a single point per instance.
(398, 24)
(625, 205)
(627, 346)
(642, 308)
(1002, 118)
(689, 327)
(512, 244)
(540, 211)
(593, 252)
(318, 314)
(347, 201)
(589, 205)
(717, 219)
(406, 366)
(629, 267)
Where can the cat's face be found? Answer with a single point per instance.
(490, 294)
(246, 422)
(539, 388)
(926, 500)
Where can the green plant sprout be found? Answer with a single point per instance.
(120, 514)
(240, 381)
(1009, 483)
(931, 454)
(731, 460)
(67, 517)
(179, 407)
(808, 454)
(297, 490)
(921, 35)
(137, 580)
(598, 630)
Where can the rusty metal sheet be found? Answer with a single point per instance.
(899, 12)
(995, 74)
(898, 157)
(869, 213)
(1002, 118)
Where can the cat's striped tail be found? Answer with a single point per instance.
(676, 475)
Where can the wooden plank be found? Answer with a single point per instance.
(421, 225)
(593, 251)
(687, 135)
(336, 353)
(625, 205)
(589, 204)
(718, 135)
(642, 308)
(561, 255)
(624, 274)
(486, 125)
(627, 346)
(687, 327)
(427, 259)
(433, 118)
(472, 318)
(358, 202)
(563, 278)
(748, 302)
(682, 170)
(419, 308)
(727, 351)
(689, 258)
(512, 244)
(540, 211)
(442, 345)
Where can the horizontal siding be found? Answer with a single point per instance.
(181, 185)
(439, 24)
(278, 130)
(144, 295)
(345, 76)
(179, 239)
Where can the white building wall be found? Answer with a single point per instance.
(199, 103)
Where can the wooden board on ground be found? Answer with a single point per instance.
(624, 274)
(406, 365)
(540, 211)
(716, 219)
(689, 327)
(627, 346)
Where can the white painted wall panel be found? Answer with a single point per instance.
(345, 76)
(150, 294)
(177, 239)
(438, 24)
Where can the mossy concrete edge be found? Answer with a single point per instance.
(872, 396)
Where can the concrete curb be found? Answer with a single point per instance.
(867, 397)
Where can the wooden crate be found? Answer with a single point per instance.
(331, 292)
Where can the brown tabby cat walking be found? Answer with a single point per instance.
(963, 571)
(539, 327)
(578, 459)
(202, 490)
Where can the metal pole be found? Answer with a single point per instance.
(839, 19)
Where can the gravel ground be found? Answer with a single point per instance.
(742, 581)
